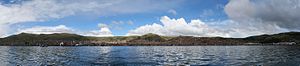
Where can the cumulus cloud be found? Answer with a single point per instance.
(101, 25)
(46, 30)
(103, 32)
(43, 10)
(37, 10)
(176, 27)
(226, 28)
(259, 13)
(246, 18)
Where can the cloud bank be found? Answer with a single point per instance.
(47, 30)
(196, 27)
(246, 18)
(43, 10)
(103, 32)
(176, 27)
(273, 13)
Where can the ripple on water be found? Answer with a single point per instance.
(151, 55)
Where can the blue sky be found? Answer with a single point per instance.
(126, 17)
(187, 9)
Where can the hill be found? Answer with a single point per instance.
(276, 38)
(150, 37)
(37, 39)
(25, 39)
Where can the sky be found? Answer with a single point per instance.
(101, 18)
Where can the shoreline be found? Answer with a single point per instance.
(64, 39)
(152, 45)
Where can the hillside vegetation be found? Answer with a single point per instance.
(25, 39)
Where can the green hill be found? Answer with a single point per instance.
(274, 38)
(25, 39)
(150, 37)
(36, 39)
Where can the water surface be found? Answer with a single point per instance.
(150, 55)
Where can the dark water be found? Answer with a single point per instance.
(151, 55)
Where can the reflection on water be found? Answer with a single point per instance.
(150, 55)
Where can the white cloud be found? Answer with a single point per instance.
(226, 28)
(176, 27)
(130, 23)
(206, 13)
(172, 11)
(119, 25)
(38, 10)
(101, 25)
(43, 10)
(46, 30)
(103, 32)
(247, 18)
(154, 28)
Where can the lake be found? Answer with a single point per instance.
(150, 55)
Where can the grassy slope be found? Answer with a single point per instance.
(37, 38)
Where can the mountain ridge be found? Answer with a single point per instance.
(27, 39)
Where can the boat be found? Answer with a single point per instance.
(61, 43)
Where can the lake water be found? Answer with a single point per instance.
(150, 55)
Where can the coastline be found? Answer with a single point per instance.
(168, 45)
(64, 39)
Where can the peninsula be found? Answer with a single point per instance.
(65, 39)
